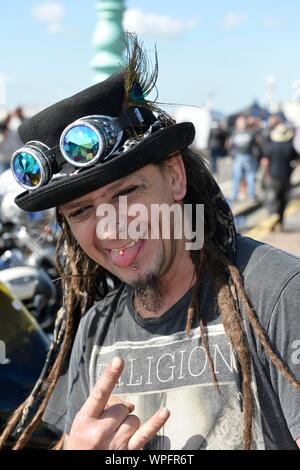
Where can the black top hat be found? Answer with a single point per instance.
(105, 98)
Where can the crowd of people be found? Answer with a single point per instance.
(9, 138)
(255, 144)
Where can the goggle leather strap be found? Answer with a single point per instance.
(59, 161)
(130, 118)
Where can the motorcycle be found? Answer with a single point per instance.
(29, 300)
(23, 351)
(27, 261)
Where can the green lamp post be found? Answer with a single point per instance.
(108, 38)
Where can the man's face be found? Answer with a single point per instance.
(240, 123)
(131, 260)
(273, 121)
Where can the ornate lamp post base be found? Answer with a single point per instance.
(108, 38)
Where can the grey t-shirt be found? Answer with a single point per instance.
(165, 368)
(243, 142)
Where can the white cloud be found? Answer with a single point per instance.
(52, 13)
(55, 28)
(275, 22)
(153, 24)
(233, 20)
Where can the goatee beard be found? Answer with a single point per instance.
(149, 293)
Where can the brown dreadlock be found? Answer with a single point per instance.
(229, 289)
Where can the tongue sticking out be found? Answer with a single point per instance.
(124, 258)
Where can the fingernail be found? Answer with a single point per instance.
(130, 407)
(164, 413)
(127, 403)
(116, 363)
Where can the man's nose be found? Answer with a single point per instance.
(112, 228)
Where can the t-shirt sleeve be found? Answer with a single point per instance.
(71, 390)
(284, 334)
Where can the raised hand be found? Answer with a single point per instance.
(104, 422)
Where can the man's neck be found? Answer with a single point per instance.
(176, 282)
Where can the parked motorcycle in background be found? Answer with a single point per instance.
(23, 351)
(29, 301)
(27, 255)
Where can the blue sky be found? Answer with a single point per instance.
(223, 48)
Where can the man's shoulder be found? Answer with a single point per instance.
(251, 253)
(104, 307)
(254, 255)
(266, 271)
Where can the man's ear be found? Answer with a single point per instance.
(176, 174)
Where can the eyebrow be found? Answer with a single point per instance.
(73, 205)
(112, 187)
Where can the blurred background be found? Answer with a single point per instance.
(229, 67)
(222, 54)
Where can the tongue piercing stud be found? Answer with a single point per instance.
(121, 252)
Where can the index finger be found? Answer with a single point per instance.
(99, 396)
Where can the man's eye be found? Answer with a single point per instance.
(126, 191)
(79, 212)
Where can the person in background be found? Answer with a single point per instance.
(253, 124)
(4, 130)
(265, 133)
(243, 144)
(19, 114)
(11, 140)
(217, 144)
(279, 157)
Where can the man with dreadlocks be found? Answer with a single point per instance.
(202, 345)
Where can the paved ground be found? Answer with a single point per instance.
(289, 239)
(257, 225)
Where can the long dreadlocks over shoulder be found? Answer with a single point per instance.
(83, 281)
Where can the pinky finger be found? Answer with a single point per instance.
(149, 430)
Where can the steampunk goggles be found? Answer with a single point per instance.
(83, 143)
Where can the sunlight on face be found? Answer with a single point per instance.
(129, 259)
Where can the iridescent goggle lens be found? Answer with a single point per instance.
(81, 144)
(27, 169)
